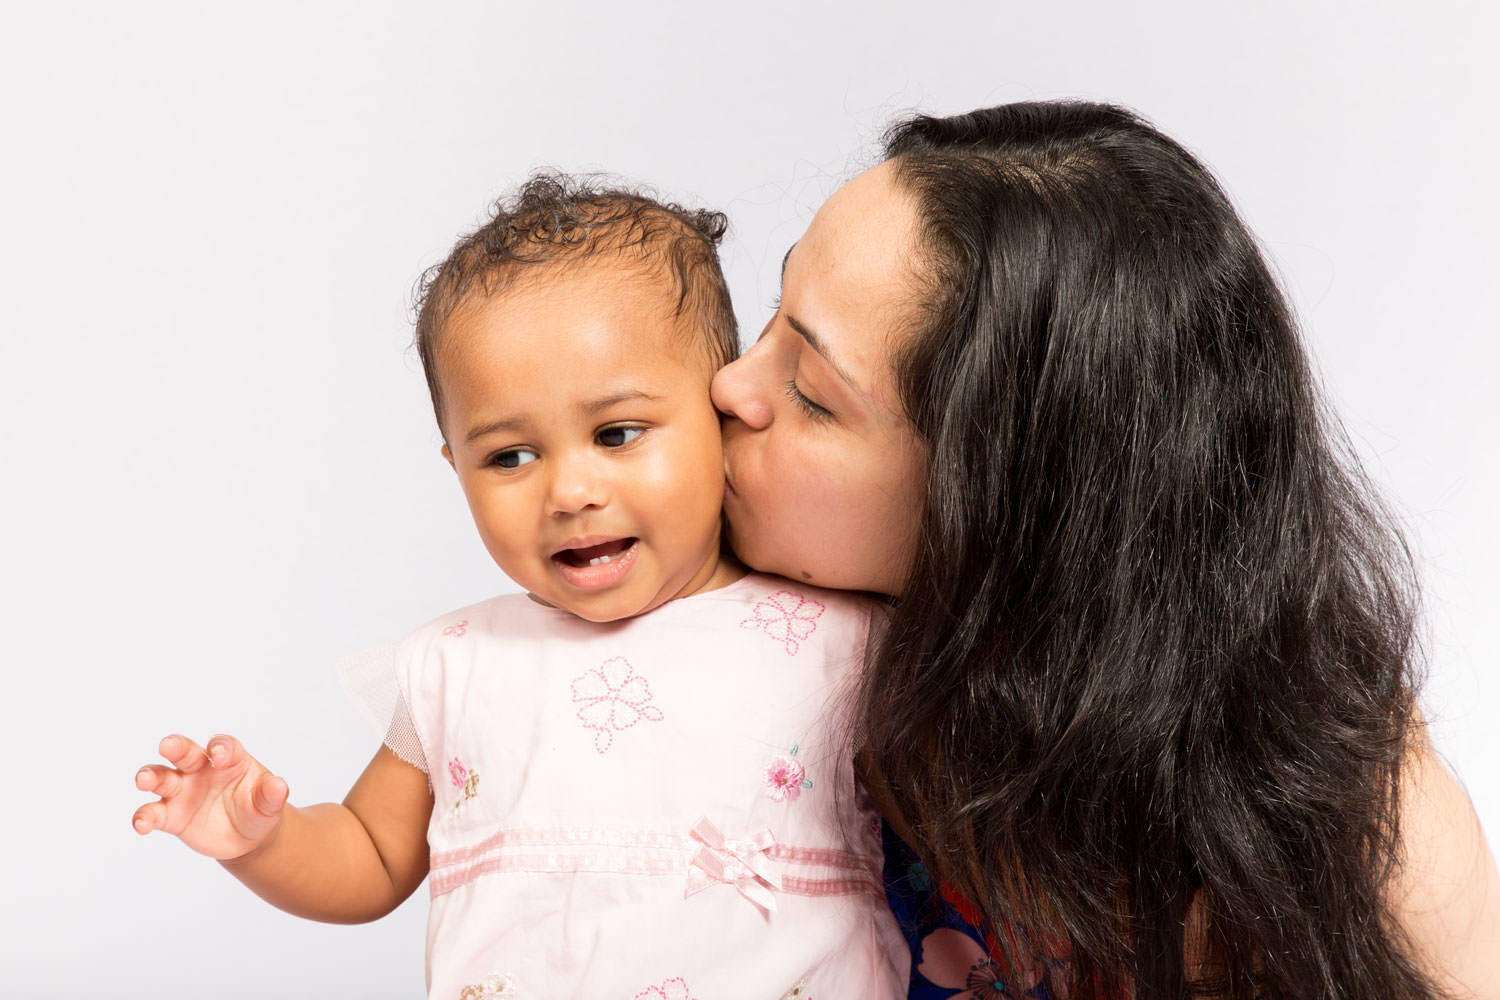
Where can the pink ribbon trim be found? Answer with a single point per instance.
(795, 870)
(743, 863)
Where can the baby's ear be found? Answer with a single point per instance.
(447, 454)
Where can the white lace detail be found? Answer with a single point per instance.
(369, 678)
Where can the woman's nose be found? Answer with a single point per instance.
(739, 390)
(577, 485)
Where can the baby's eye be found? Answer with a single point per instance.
(617, 437)
(513, 458)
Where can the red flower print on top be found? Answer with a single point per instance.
(972, 914)
(787, 617)
(675, 988)
(612, 697)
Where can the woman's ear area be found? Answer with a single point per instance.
(448, 456)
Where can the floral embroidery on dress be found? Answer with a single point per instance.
(611, 698)
(497, 986)
(787, 617)
(457, 629)
(797, 992)
(786, 777)
(465, 779)
(675, 988)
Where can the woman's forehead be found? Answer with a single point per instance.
(850, 279)
(865, 232)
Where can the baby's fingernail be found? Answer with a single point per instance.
(141, 775)
(217, 752)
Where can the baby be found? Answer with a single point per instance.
(634, 780)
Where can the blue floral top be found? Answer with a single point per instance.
(949, 941)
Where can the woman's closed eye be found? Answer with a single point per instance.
(812, 409)
(513, 458)
(618, 436)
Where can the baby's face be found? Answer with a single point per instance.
(577, 416)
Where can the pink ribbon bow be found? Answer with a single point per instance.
(741, 863)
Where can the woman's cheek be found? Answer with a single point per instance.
(866, 523)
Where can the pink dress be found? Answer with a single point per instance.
(662, 808)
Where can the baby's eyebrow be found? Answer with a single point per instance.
(507, 424)
(623, 396)
(518, 424)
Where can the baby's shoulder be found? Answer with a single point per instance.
(511, 616)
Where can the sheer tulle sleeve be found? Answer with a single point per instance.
(369, 678)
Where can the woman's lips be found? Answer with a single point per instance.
(598, 564)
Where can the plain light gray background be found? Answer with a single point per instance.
(219, 468)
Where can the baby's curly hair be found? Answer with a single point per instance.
(554, 220)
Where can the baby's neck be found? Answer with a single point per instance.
(725, 571)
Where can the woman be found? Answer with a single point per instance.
(1147, 693)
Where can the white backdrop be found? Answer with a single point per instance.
(220, 471)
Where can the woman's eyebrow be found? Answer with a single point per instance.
(822, 349)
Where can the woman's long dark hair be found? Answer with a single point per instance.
(1149, 686)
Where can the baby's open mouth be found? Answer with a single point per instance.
(594, 555)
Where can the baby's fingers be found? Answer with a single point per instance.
(258, 811)
(158, 780)
(151, 816)
(269, 794)
(225, 751)
(183, 754)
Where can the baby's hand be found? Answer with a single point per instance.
(221, 802)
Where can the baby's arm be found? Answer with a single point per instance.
(344, 863)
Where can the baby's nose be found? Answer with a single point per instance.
(577, 486)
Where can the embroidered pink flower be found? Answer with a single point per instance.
(787, 617)
(457, 629)
(786, 777)
(612, 697)
(675, 988)
(465, 779)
